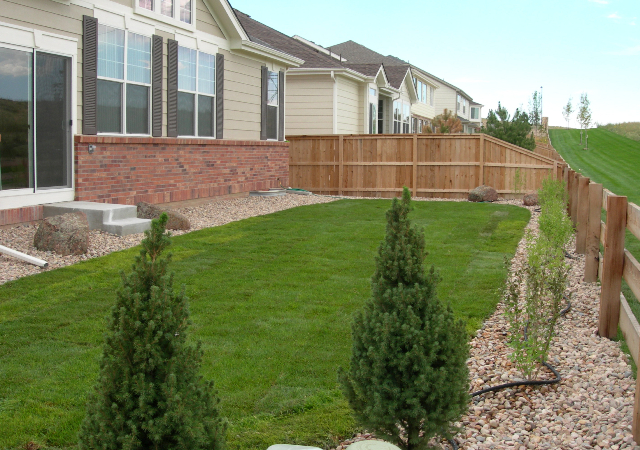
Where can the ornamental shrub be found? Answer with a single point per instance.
(149, 394)
(408, 378)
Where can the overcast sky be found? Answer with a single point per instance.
(494, 50)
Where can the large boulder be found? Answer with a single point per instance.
(530, 199)
(67, 234)
(483, 194)
(176, 220)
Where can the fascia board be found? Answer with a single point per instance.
(327, 71)
(266, 52)
(227, 20)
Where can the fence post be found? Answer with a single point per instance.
(574, 193)
(583, 215)
(593, 233)
(415, 165)
(481, 180)
(569, 177)
(341, 161)
(613, 265)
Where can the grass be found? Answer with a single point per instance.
(612, 160)
(271, 300)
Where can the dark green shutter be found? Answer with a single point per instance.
(263, 103)
(156, 87)
(172, 88)
(89, 75)
(219, 118)
(281, 105)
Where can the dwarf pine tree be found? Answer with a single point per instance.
(408, 378)
(149, 394)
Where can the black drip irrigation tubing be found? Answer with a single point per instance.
(499, 387)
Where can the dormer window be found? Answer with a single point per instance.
(181, 10)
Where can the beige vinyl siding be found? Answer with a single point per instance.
(45, 15)
(309, 104)
(350, 106)
(242, 81)
(422, 110)
(445, 98)
(205, 21)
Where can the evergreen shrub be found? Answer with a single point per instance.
(149, 394)
(408, 378)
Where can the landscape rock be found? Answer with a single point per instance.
(176, 220)
(483, 194)
(67, 234)
(530, 199)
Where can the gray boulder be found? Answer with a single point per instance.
(483, 194)
(67, 234)
(530, 199)
(176, 220)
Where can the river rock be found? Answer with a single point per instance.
(66, 234)
(176, 220)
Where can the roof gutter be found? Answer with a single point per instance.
(267, 52)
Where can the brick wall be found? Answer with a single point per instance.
(19, 215)
(159, 170)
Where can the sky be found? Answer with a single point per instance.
(494, 50)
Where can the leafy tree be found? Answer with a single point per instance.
(567, 111)
(408, 378)
(149, 394)
(447, 122)
(515, 130)
(584, 112)
(535, 109)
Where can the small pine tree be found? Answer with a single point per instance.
(149, 394)
(408, 378)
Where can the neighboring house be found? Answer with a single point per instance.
(330, 95)
(436, 94)
(130, 100)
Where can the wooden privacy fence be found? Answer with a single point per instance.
(430, 165)
(586, 201)
(548, 151)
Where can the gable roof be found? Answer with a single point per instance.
(261, 33)
(397, 74)
(358, 53)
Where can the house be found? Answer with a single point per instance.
(330, 94)
(436, 94)
(135, 100)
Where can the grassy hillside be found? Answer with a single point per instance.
(612, 160)
(626, 129)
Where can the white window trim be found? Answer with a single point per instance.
(156, 15)
(16, 37)
(123, 92)
(196, 94)
(277, 104)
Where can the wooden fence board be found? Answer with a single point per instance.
(630, 328)
(633, 219)
(631, 273)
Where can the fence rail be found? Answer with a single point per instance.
(430, 165)
(586, 200)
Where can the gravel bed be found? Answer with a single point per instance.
(591, 408)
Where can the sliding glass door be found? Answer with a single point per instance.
(35, 120)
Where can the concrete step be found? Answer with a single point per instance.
(112, 218)
(124, 227)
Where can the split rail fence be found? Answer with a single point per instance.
(586, 200)
(430, 165)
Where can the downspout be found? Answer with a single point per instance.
(23, 256)
(335, 103)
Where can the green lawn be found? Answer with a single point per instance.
(612, 160)
(271, 299)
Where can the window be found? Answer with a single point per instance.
(432, 94)
(380, 116)
(464, 106)
(272, 105)
(373, 114)
(421, 90)
(458, 102)
(397, 117)
(401, 117)
(406, 118)
(177, 9)
(475, 113)
(124, 81)
(196, 93)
